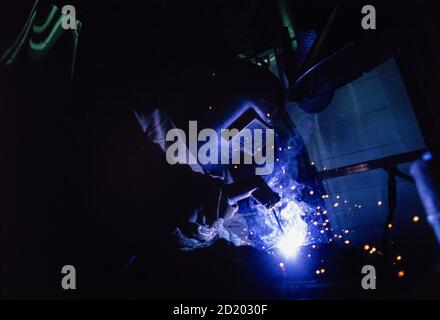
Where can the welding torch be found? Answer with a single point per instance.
(254, 187)
(257, 188)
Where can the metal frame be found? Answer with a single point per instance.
(388, 164)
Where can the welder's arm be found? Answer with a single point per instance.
(198, 197)
(208, 195)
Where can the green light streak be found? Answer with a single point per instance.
(40, 49)
(11, 53)
(40, 29)
(287, 22)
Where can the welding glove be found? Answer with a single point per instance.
(208, 218)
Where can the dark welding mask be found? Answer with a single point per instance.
(233, 96)
(227, 95)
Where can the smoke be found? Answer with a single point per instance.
(300, 217)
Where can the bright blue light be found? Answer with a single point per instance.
(295, 230)
(289, 244)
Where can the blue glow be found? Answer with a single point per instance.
(427, 156)
(295, 230)
(300, 218)
(289, 244)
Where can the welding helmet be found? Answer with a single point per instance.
(225, 95)
(221, 93)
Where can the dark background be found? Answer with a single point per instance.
(51, 126)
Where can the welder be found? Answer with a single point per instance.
(153, 208)
(212, 94)
(133, 210)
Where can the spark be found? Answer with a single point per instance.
(295, 230)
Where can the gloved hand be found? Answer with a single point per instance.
(209, 216)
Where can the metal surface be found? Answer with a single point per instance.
(382, 163)
(389, 164)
